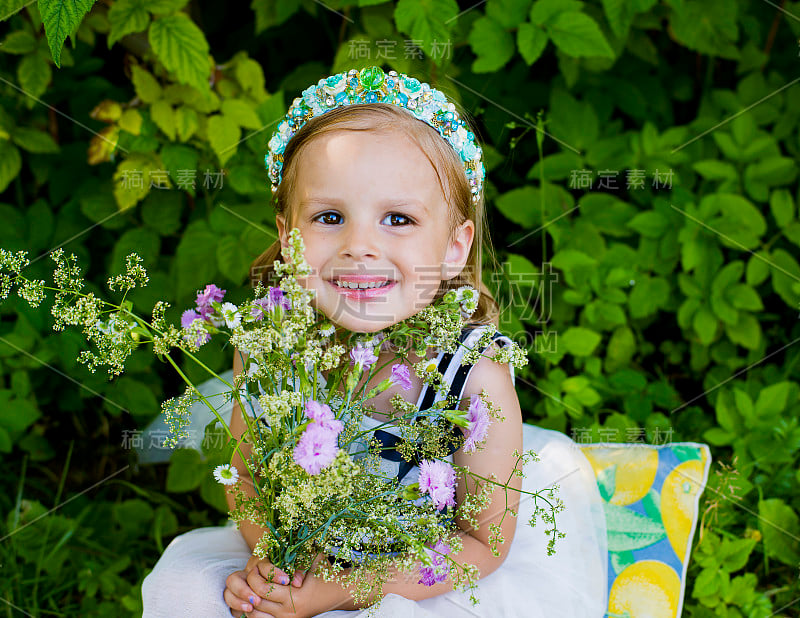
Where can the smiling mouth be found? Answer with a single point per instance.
(351, 285)
(361, 293)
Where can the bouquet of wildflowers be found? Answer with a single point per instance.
(318, 487)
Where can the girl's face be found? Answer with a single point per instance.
(370, 209)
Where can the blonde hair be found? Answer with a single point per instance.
(449, 170)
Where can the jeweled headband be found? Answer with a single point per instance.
(372, 85)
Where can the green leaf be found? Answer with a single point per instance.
(707, 26)
(146, 86)
(232, 259)
(716, 170)
(61, 18)
(132, 180)
(785, 276)
(139, 240)
(18, 42)
(160, 7)
(16, 415)
(426, 21)
(492, 45)
(733, 554)
(186, 470)
(545, 11)
(223, 135)
(531, 41)
(580, 341)
(647, 296)
(241, 113)
(181, 161)
(746, 332)
(161, 211)
(164, 116)
(743, 296)
(10, 163)
(250, 75)
(578, 35)
(705, 325)
(780, 530)
(627, 530)
(739, 224)
(782, 207)
(619, 14)
(772, 399)
(194, 268)
(772, 171)
(34, 74)
(270, 13)
(182, 47)
(125, 17)
(34, 140)
(744, 404)
(186, 122)
(5, 441)
(651, 224)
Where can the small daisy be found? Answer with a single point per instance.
(230, 313)
(226, 474)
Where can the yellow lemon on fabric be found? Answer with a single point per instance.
(678, 496)
(645, 589)
(636, 470)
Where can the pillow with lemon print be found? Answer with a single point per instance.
(651, 495)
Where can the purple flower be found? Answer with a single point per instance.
(437, 572)
(277, 298)
(316, 448)
(204, 298)
(189, 316)
(262, 306)
(478, 417)
(323, 415)
(362, 356)
(401, 376)
(438, 479)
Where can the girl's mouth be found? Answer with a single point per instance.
(363, 293)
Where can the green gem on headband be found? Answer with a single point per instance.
(372, 85)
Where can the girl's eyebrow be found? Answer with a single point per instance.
(401, 201)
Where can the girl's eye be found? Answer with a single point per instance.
(326, 214)
(393, 217)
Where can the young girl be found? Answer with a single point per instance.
(382, 196)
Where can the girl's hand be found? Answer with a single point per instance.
(258, 573)
(312, 597)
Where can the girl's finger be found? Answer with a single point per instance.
(297, 580)
(272, 573)
(236, 604)
(237, 584)
(267, 608)
(262, 587)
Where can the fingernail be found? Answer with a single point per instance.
(297, 581)
(284, 580)
(252, 599)
(246, 607)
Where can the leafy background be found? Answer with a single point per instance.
(673, 310)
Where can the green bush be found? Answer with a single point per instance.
(641, 155)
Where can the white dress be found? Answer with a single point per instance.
(189, 578)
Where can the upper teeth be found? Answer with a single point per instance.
(355, 286)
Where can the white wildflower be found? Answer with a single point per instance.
(226, 474)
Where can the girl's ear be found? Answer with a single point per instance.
(458, 250)
(280, 223)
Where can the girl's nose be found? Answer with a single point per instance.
(360, 241)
